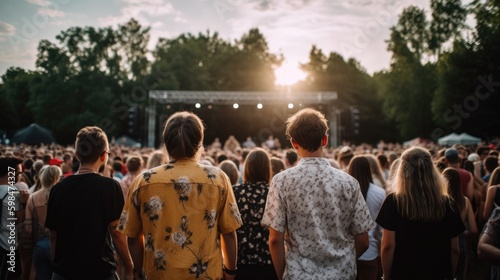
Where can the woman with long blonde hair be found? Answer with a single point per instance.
(420, 222)
(36, 214)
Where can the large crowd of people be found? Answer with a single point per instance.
(247, 210)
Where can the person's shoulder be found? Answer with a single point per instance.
(342, 177)
(377, 190)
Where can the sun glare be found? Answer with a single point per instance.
(288, 74)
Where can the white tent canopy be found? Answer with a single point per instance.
(463, 138)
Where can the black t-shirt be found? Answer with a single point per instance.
(80, 209)
(422, 248)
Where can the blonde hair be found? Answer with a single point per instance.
(49, 176)
(157, 158)
(420, 191)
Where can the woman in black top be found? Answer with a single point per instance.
(421, 223)
(254, 258)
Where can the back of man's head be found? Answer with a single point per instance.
(292, 157)
(483, 151)
(307, 128)
(451, 155)
(490, 163)
(134, 163)
(91, 142)
(9, 164)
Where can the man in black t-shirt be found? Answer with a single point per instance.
(82, 215)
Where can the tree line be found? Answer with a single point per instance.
(443, 77)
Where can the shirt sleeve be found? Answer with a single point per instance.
(230, 218)
(51, 220)
(387, 215)
(275, 212)
(115, 206)
(361, 219)
(130, 222)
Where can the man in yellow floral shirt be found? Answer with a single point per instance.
(182, 209)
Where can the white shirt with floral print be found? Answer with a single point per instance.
(320, 209)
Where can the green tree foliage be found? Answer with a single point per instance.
(85, 75)
(207, 62)
(448, 18)
(410, 32)
(409, 86)
(14, 96)
(467, 97)
(354, 87)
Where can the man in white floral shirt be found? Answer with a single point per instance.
(317, 212)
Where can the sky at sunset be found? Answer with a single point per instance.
(353, 28)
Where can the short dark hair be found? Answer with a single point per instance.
(117, 165)
(91, 142)
(257, 167)
(134, 163)
(231, 170)
(490, 163)
(6, 162)
(221, 158)
(277, 165)
(183, 135)
(307, 128)
(28, 163)
(382, 160)
(482, 149)
(291, 156)
(46, 158)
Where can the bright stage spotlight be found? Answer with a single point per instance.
(259, 106)
(197, 105)
(236, 106)
(290, 105)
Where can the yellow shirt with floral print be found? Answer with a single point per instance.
(181, 208)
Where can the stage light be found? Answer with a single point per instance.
(197, 105)
(259, 106)
(169, 106)
(236, 106)
(209, 106)
(290, 105)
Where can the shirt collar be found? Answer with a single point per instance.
(313, 160)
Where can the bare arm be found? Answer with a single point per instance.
(120, 242)
(23, 199)
(487, 251)
(230, 250)
(277, 248)
(361, 242)
(455, 253)
(28, 222)
(387, 252)
(136, 248)
(488, 205)
(471, 219)
(470, 188)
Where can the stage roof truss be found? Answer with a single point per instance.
(241, 97)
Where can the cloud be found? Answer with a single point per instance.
(357, 28)
(6, 29)
(40, 2)
(143, 11)
(53, 13)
